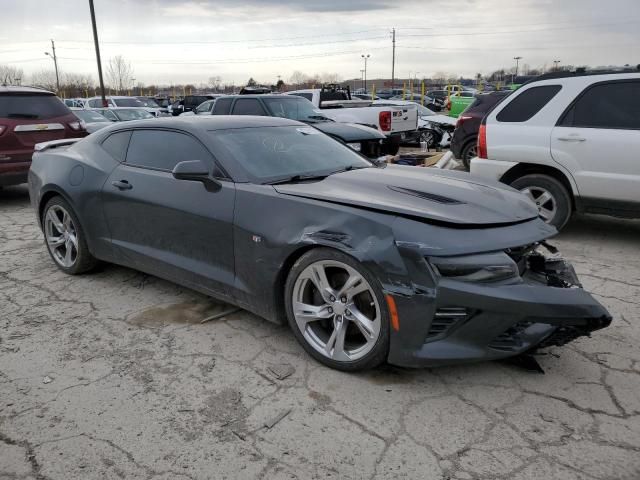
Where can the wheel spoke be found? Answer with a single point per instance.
(544, 198)
(55, 221)
(320, 280)
(546, 214)
(306, 313)
(66, 221)
(528, 193)
(74, 240)
(67, 256)
(55, 242)
(335, 344)
(365, 325)
(352, 287)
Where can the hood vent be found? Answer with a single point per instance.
(426, 195)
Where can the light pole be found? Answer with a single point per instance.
(366, 57)
(517, 59)
(55, 63)
(362, 78)
(97, 46)
(555, 64)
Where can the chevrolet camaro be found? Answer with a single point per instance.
(367, 263)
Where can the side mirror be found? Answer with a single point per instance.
(195, 170)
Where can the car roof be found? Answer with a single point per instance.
(214, 122)
(262, 95)
(20, 89)
(118, 108)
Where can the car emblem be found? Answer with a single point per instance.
(42, 127)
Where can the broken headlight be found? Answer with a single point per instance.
(356, 146)
(484, 268)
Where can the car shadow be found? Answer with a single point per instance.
(601, 227)
(14, 195)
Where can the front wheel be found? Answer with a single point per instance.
(549, 195)
(468, 152)
(337, 310)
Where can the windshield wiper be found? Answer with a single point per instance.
(320, 117)
(296, 179)
(348, 169)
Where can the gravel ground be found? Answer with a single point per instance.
(112, 375)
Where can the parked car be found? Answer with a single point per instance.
(336, 103)
(465, 136)
(433, 104)
(114, 101)
(366, 140)
(150, 103)
(458, 103)
(272, 216)
(205, 108)
(120, 114)
(92, 120)
(388, 93)
(190, 102)
(74, 102)
(29, 116)
(570, 142)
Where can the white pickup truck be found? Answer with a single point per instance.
(396, 122)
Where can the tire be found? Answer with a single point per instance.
(392, 146)
(468, 152)
(547, 192)
(326, 315)
(70, 233)
(429, 137)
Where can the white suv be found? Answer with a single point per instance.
(569, 141)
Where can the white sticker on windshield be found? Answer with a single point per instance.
(308, 131)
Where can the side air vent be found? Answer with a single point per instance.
(426, 195)
(510, 340)
(445, 319)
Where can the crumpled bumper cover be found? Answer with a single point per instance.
(463, 322)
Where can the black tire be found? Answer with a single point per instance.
(468, 152)
(559, 192)
(391, 145)
(378, 354)
(428, 136)
(84, 261)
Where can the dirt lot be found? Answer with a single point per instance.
(112, 375)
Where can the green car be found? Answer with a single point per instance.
(460, 102)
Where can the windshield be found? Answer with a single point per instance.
(127, 102)
(148, 102)
(424, 111)
(32, 107)
(270, 154)
(132, 114)
(89, 116)
(294, 108)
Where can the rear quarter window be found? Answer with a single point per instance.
(32, 107)
(526, 105)
(116, 145)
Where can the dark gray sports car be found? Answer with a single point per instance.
(367, 264)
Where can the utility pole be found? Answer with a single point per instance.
(95, 41)
(366, 57)
(55, 63)
(517, 59)
(555, 64)
(393, 59)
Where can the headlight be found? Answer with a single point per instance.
(492, 267)
(356, 146)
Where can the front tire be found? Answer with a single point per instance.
(468, 152)
(549, 195)
(65, 238)
(337, 310)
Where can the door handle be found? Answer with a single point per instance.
(572, 139)
(122, 185)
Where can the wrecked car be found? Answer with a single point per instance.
(415, 267)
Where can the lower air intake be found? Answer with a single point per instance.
(445, 319)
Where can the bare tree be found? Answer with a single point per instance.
(119, 73)
(10, 75)
(44, 79)
(214, 83)
(298, 78)
(330, 78)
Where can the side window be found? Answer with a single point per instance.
(116, 145)
(308, 96)
(608, 105)
(110, 115)
(528, 103)
(95, 103)
(248, 106)
(222, 106)
(204, 107)
(162, 150)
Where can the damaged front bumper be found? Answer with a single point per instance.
(460, 322)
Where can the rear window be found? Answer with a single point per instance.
(32, 107)
(528, 103)
(116, 145)
(128, 102)
(222, 106)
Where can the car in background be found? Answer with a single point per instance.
(74, 102)
(205, 108)
(92, 120)
(365, 140)
(121, 114)
(190, 102)
(150, 102)
(114, 101)
(569, 141)
(465, 136)
(387, 93)
(29, 116)
(458, 102)
(433, 104)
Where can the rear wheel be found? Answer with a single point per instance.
(428, 137)
(337, 311)
(549, 195)
(65, 238)
(468, 152)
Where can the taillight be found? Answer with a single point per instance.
(462, 119)
(482, 142)
(2, 128)
(385, 121)
(75, 126)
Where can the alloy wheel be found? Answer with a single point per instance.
(470, 153)
(336, 310)
(428, 138)
(61, 236)
(544, 200)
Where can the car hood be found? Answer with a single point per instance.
(436, 196)
(442, 119)
(349, 132)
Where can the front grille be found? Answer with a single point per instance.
(445, 319)
(568, 333)
(509, 340)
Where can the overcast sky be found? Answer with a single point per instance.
(189, 41)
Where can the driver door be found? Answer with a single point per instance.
(176, 229)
